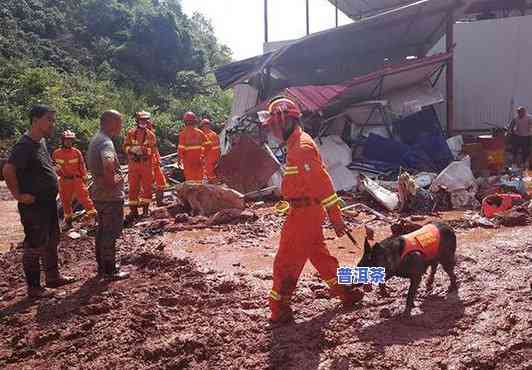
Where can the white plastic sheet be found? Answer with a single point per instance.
(457, 176)
(456, 144)
(386, 198)
(336, 155)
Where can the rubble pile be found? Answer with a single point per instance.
(172, 313)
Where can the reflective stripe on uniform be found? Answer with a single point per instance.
(60, 161)
(330, 201)
(72, 161)
(274, 295)
(332, 282)
(291, 170)
(215, 147)
(190, 147)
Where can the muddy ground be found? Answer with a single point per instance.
(197, 300)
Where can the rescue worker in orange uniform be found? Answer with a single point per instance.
(139, 146)
(213, 155)
(73, 177)
(158, 175)
(193, 145)
(308, 188)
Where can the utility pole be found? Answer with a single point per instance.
(336, 11)
(308, 18)
(265, 21)
(449, 76)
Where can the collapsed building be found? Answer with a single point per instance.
(379, 94)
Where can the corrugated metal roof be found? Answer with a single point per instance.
(359, 8)
(333, 56)
(331, 99)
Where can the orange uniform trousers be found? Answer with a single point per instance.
(193, 169)
(158, 174)
(210, 165)
(70, 188)
(302, 240)
(140, 180)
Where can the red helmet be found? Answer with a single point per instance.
(190, 117)
(205, 121)
(280, 108)
(68, 135)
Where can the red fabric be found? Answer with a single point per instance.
(425, 240)
(507, 203)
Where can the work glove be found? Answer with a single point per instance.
(137, 150)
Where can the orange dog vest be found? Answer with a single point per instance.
(425, 240)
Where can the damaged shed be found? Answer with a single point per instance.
(359, 81)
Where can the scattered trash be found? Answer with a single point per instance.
(386, 198)
(456, 176)
(74, 235)
(456, 144)
(425, 179)
(412, 197)
(497, 203)
(464, 199)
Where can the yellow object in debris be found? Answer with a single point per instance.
(282, 207)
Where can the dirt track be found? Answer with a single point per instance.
(176, 313)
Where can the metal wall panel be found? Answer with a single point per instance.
(492, 71)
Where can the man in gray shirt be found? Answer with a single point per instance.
(521, 129)
(107, 192)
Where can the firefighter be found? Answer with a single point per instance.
(213, 155)
(139, 146)
(308, 189)
(193, 144)
(72, 173)
(158, 175)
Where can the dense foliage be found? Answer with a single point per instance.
(86, 56)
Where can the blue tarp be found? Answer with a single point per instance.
(423, 145)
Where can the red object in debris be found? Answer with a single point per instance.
(497, 203)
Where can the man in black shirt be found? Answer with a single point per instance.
(31, 178)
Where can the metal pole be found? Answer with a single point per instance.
(449, 36)
(308, 16)
(336, 11)
(265, 21)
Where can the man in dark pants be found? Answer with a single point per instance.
(31, 178)
(107, 192)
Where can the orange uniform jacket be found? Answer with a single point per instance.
(425, 240)
(144, 138)
(70, 162)
(306, 179)
(193, 145)
(214, 153)
(140, 170)
(72, 173)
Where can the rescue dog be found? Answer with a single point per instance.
(410, 255)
